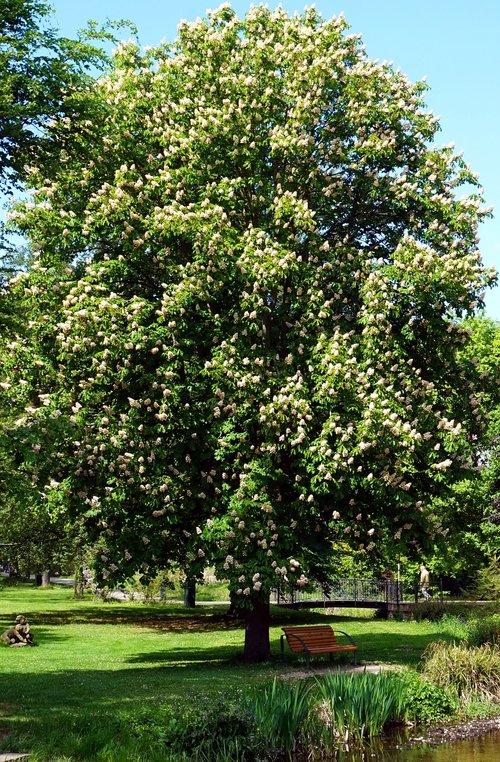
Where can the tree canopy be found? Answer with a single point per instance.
(243, 312)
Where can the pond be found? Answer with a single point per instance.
(484, 748)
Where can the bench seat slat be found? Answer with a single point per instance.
(325, 649)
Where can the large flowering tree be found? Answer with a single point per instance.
(243, 338)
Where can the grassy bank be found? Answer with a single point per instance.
(102, 671)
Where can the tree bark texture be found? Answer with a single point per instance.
(257, 646)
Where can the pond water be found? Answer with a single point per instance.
(485, 748)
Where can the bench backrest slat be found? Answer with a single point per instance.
(320, 636)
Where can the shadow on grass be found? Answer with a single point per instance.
(170, 618)
(165, 678)
(224, 656)
(78, 714)
(162, 618)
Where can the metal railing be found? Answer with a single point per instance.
(344, 589)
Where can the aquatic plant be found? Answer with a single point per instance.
(280, 712)
(358, 706)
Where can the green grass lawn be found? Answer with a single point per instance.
(100, 666)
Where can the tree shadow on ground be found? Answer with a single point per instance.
(175, 620)
(198, 664)
(228, 656)
(166, 617)
(62, 709)
(181, 669)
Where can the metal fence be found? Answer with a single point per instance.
(355, 590)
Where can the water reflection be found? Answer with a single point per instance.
(482, 749)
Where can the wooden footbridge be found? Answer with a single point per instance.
(385, 595)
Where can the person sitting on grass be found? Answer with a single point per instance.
(19, 634)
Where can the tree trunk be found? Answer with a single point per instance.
(257, 647)
(78, 589)
(45, 578)
(190, 592)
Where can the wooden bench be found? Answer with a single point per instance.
(315, 639)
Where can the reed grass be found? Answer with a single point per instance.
(472, 673)
(357, 706)
(280, 712)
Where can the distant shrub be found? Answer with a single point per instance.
(433, 611)
(453, 625)
(487, 586)
(485, 630)
(152, 589)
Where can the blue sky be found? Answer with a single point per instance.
(453, 43)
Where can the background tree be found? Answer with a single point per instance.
(40, 73)
(45, 79)
(43, 537)
(245, 307)
(40, 543)
(467, 511)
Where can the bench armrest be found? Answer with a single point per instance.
(282, 645)
(347, 636)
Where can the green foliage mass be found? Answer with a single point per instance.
(242, 339)
(423, 701)
(43, 78)
(484, 630)
(468, 513)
